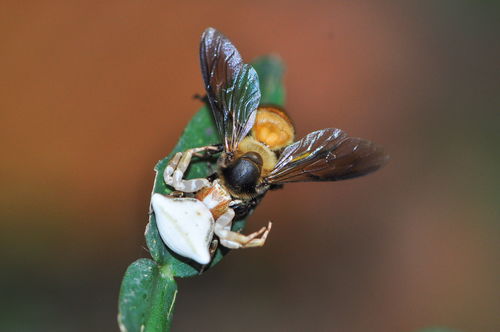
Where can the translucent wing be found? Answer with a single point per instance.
(327, 155)
(232, 87)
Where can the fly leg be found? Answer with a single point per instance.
(174, 172)
(234, 240)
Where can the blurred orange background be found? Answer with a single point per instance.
(94, 93)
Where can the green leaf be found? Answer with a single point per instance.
(270, 69)
(147, 297)
(201, 131)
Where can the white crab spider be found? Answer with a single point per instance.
(187, 224)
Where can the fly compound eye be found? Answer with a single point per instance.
(254, 157)
(244, 173)
(268, 157)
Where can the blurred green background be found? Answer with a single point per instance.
(94, 93)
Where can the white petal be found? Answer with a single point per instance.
(185, 225)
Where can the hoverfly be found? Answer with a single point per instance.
(258, 152)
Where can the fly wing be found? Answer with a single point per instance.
(232, 87)
(327, 155)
